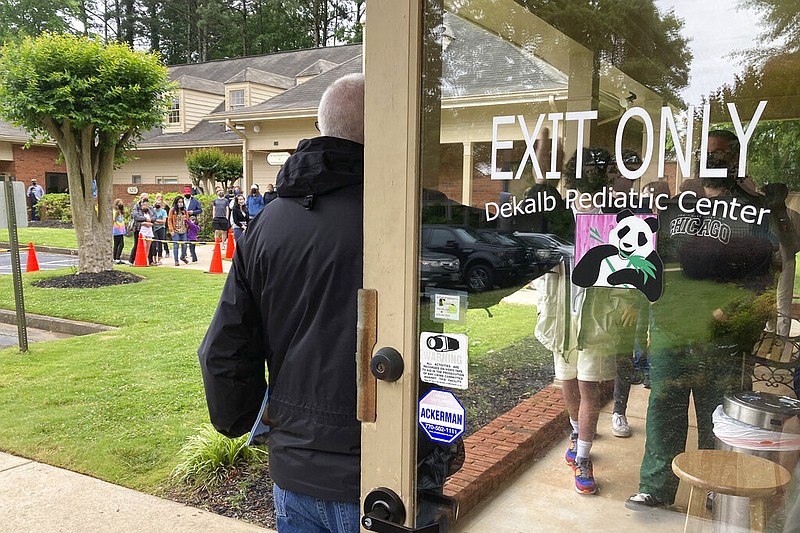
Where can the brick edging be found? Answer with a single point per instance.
(497, 450)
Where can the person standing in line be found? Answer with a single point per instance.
(146, 229)
(137, 217)
(192, 204)
(176, 221)
(159, 199)
(159, 232)
(290, 301)
(270, 194)
(119, 230)
(712, 311)
(240, 217)
(192, 229)
(255, 202)
(219, 222)
(34, 194)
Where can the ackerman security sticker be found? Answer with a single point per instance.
(441, 416)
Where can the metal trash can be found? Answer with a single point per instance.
(756, 423)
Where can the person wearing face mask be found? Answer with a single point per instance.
(221, 212)
(137, 217)
(255, 202)
(191, 203)
(165, 206)
(178, 228)
(159, 231)
(712, 310)
(119, 230)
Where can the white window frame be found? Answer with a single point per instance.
(237, 98)
(174, 113)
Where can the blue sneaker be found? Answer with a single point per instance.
(584, 477)
(572, 450)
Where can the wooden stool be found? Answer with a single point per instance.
(731, 473)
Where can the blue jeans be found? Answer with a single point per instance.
(298, 513)
(176, 238)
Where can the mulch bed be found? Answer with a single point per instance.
(245, 495)
(88, 280)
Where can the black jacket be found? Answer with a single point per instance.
(290, 300)
(240, 216)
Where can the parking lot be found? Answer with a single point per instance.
(47, 261)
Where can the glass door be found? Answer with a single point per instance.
(587, 203)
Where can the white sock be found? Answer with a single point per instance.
(574, 425)
(584, 447)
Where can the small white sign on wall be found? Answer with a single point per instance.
(443, 359)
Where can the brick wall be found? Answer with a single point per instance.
(34, 162)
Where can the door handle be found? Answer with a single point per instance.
(366, 338)
(384, 512)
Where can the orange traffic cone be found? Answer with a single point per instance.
(231, 247)
(141, 257)
(216, 260)
(33, 264)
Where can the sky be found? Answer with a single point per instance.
(716, 28)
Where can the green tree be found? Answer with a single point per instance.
(632, 35)
(94, 100)
(209, 165)
(773, 154)
(781, 22)
(20, 18)
(230, 170)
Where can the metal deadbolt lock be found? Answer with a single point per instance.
(384, 512)
(387, 364)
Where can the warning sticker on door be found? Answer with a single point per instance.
(443, 359)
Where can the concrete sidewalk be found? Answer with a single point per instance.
(204, 252)
(39, 497)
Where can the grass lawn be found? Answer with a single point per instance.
(56, 237)
(118, 405)
(115, 405)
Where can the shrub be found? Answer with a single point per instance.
(208, 458)
(55, 206)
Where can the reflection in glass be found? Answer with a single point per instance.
(538, 113)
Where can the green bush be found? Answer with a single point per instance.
(208, 458)
(55, 206)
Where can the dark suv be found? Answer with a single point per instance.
(486, 256)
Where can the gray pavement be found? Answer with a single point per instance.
(47, 261)
(9, 335)
(39, 497)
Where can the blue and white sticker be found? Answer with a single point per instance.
(441, 416)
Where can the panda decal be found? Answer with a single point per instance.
(628, 260)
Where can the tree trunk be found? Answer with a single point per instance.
(92, 225)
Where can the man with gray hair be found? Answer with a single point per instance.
(290, 302)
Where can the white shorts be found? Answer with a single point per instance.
(585, 365)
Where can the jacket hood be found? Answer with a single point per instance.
(321, 165)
